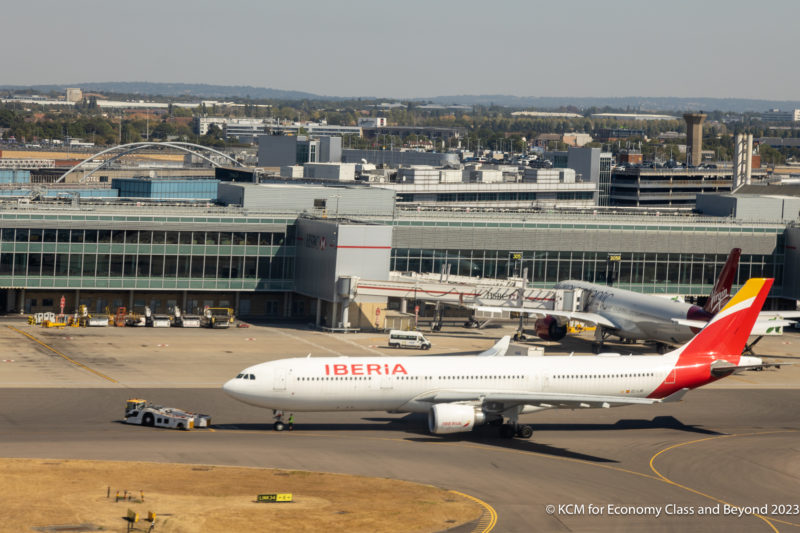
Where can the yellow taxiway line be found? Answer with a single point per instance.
(73, 361)
(488, 520)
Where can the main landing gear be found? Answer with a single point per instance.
(513, 428)
(509, 431)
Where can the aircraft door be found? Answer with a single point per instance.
(279, 379)
(537, 381)
(386, 382)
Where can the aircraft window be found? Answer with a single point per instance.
(252, 376)
(239, 376)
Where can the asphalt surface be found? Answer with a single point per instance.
(738, 446)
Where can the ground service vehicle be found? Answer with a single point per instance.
(160, 321)
(140, 412)
(186, 321)
(217, 317)
(408, 339)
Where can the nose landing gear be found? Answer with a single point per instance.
(278, 416)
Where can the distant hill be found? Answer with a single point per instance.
(176, 90)
(631, 103)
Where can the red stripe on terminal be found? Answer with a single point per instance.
(367, 247)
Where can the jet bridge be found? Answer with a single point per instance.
(471, 293)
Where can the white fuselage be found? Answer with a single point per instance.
(638, 316)
(395, 383)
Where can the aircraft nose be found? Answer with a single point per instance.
(232, 387)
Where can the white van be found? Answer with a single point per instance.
(408, 339)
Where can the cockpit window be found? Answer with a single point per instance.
(240, 376)
(252, 376)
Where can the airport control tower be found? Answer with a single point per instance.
(694, 137)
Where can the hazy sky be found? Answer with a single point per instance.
(414, 48)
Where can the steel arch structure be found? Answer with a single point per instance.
(129, 148)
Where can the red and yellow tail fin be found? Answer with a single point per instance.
(725, 336)
(721, 293)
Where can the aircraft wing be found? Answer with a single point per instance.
(762, 324)
(589, 318)
(499, 349)
(690, 323)
(545, 400)
(769, 315)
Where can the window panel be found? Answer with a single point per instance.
(89, 263)
(115, 265)
(170, 266)
(156, 266)
(143, 265)
(197, 266)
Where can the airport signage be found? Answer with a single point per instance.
(320, 242)
(274, 498)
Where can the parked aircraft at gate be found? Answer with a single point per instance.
(634, 316)
(459, 393)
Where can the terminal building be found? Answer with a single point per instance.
(283, 251)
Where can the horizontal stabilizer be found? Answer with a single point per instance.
(722, 368)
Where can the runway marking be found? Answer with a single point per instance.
(488, 518)
(348, 341)
(314, 344)
(74, 362)
(768, 521)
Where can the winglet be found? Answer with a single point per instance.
(499, 349)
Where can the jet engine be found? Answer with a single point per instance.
(454, 418)
(549, 329)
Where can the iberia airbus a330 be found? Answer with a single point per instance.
(459, 393)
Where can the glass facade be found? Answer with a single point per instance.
(117, 258)
(642, 272)
(673, 273)
(463, 197)
(198, 249)
(604, 183)
(166, 189)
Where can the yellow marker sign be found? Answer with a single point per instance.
(133, 516)
(269, 498)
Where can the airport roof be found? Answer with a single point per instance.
(772, 190)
